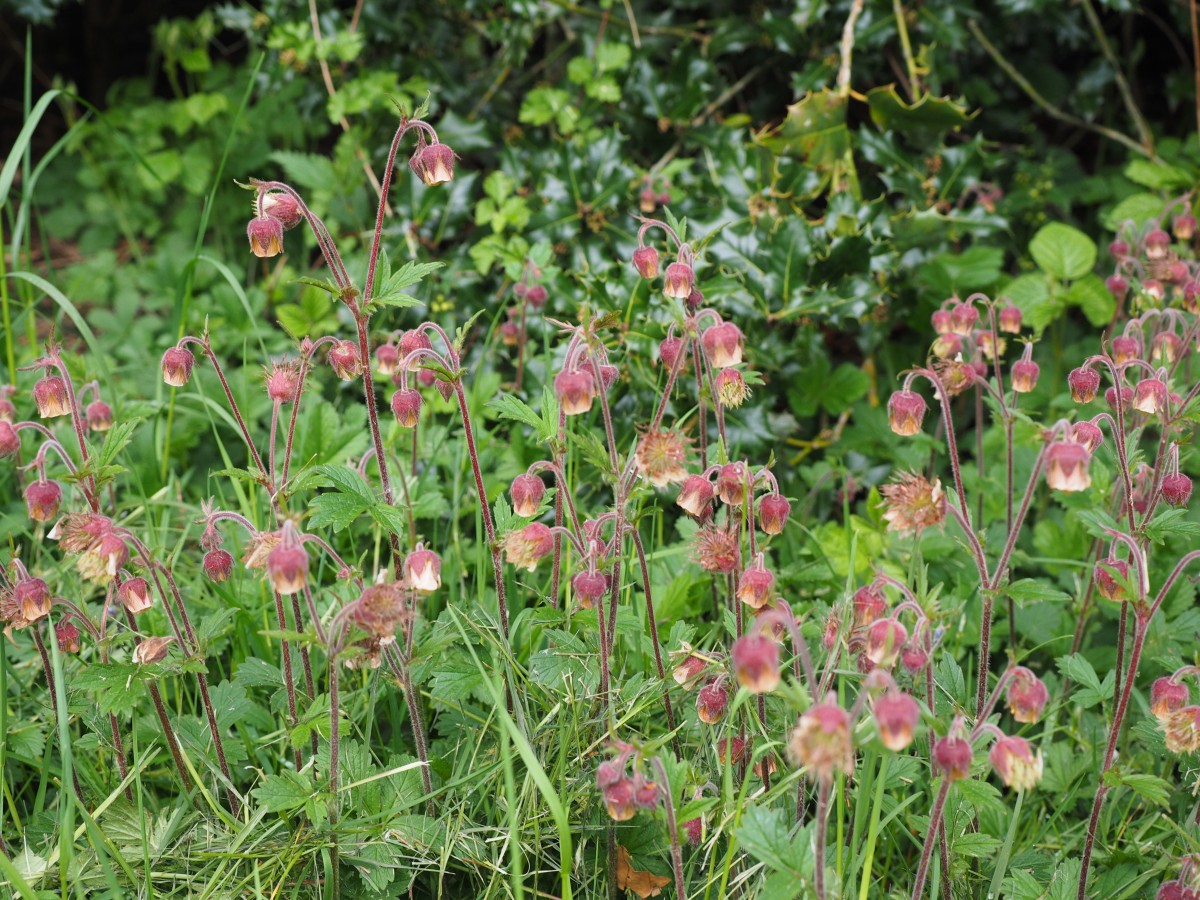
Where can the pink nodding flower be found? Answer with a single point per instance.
(913, 658)
(730, 388)
(885, 639)
(722, 344)
(870, 604)
(10, 441)
(821, 741)
(1184, 226)
(678, 280)
(575, 389)
(1010, 320)
(952, 757)
(1124, 398)
(1018, 766)
(669, 351)
(731, 483)
(99, 416)
(947, 346)
(265, 234)
(218, 565)
(755, 585)
(755, 659)
(423, 570)
(387, 358)
(691, 667)
(1027, 696)
(527, 492)
(134, 594)
(67, 636)
(1110, 575)
(696, 496)
(1067, 466)
(287, 562)
(620, 800)
(177, 364)
(1177, 489)
(1156, 243)
(50, 395)
(896, 718)
(527, 546)
(283, 382)
(344, 360)
(1150, 396)
(537, 295)
(942, 321)
(1181, 730)
(645, 260)
(1118, 250)
(589, 587)
(711, 701)
(411, 341)
(1125, 348)
(1117, 286)
(1084, 383)
(964, 317)
(434, 163)
(42, 499)
(1166, 347)
(1088, 434)
(773, 512)
(906, 411)
(1167, 696)
(406, 406)
(1024, 375)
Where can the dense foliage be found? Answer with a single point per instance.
(732, 451)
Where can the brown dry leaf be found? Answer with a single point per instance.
(644, 884)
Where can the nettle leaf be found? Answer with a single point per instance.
(286, 791)
(1062, 251)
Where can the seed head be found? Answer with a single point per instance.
(913, 503)
(1181, 729)
(283, 382)
(379, 610)
(661, 457)
(717, 549)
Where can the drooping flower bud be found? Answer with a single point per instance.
(754, 587)
(942, 321)
(755, 659)
(527, 492)
(527, 546)
(773, 512)
(711, 701)
(177, 365)
(10, 441)
(282, 206)
(620, 800)
(1018, 766)
(344, 360)
(42, 499)
(134, 594)
(906, 411)
(1088, 434)
(32, 600)
(1024, 375)
(152, 650)
(1117, 286)
(423, 570)
(691, 667)
(50, 395)
(964, 317)
(387, 358)
(731, 483)
(287, 563)
(1177, 489)
(670, 350)
(99, 416)
(913, 658)
(896, 718)
(575, 389)
(1157, 242)
(722, 344)
(678, 280)
(67, 636)
(1119, 250)
(589, 587)
(406, 406)
(1010, 320)
(1125, 348)
(695, 496)
(1084, 384)
(821, 741)
(412, 341)
(1027, 696)
(434, 163)
(693, 829)
(645, 260)
(537, 295)
(952, 757)
(1166, 347)
(218, 565)
(1067, 466)
(1184, 226)
(885, 638)
(1150, 396)
(1110, 575)
(1167, 696)
(265, 234)
(610, 772)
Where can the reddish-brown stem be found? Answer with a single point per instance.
(164, 720)
(935, 819)
(233, 406)
(658, 663)
(823, 789)
(399, 666)
(672, 826)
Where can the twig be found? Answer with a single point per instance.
(847, 51)
(1139, 120)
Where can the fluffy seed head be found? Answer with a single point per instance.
(1181, 729)
(661, 457)
(913, 503)
(730, 387)
(717, 549)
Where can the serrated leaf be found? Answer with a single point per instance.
(1171, 523)
(1062, 251)
(320, 284)
(113, 687)
(927, 116)
(1031, 590)
(612, 56)
(348, 481)
(1149, 787)
(285, 792)
(765, 835)
(335, 511)
(1159, 176)
(1090, 295)
(1136, 208)
(215, 624)
(508, 406)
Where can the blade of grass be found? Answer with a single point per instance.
(1006, 849)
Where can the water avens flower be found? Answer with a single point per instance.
(821, 741)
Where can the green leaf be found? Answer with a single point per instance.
(1032, 296)
(1136, 208)
(1063, 251)
(1149, 787)
(1171, 523)
(1091, 296)
(975, 269)
(976, 846)
(508, 406)
(348, 481)
(309, 170)
(1030, 590)
(815, 129)
(1159, 176)
(765, 835)
(606, 90)
(927, 118)
(285, 792)
(113, 687)
(612, 56)
(335, 511)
